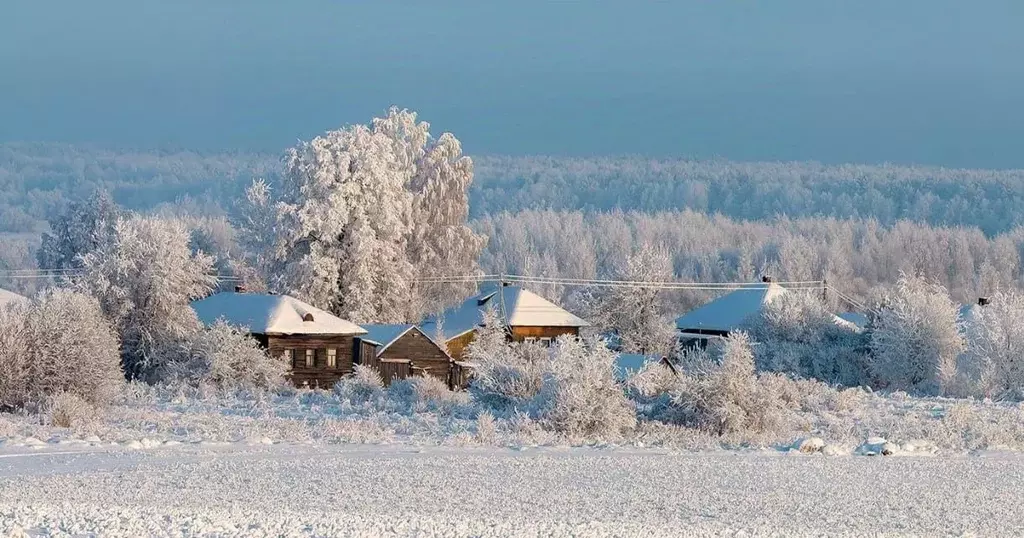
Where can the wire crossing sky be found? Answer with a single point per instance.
(915, 81)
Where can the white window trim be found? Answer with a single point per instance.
(310, 358)
(332, 357)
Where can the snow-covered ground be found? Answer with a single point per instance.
(375, 490)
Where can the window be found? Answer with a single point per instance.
(310, 353)
(332, 358)
(289, 355)
(530, 340)
(545, 341)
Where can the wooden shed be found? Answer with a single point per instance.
(319, 347)
(528, 317)
(399, 351)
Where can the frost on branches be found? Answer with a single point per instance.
(915, 339)
(797, 334)
(362, 211)
(81, 229)
(226, 357)
(145, 279)
(59, 344)
(993, 364)
(635, 314)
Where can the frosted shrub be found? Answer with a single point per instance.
(993, 363)
(726, 398)
(652, 379)
(426, 393)
(915, 339)
(580, 396)
(66, 410)
(798, 335)
(59, 343)
(227, 358)
(486, 428)
(363, 385)
(505, 375)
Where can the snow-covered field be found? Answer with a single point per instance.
(374, 490)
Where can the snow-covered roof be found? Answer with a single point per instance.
(522, 308)
(384, 335)
(9, 297)
(857, 319)
(627, 364)
(271, 314)
(730, 311)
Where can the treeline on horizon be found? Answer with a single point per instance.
(860, 227)
(38, 178)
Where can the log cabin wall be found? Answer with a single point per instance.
(320, 374)
(457, 346)
(521, 333)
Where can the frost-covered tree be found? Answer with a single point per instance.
(636, 313)
(226, 357)
(144, 279)
(915, 338)
(442, 243)
(361, 211)
(796, 334)
(60, 343)
(993, 363)
(79, 230)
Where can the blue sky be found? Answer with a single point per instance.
(908, 81)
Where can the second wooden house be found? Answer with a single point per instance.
(527, 316)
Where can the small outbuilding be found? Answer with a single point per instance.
(318, 346)
(400, 351)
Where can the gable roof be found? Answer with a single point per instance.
(384, 335)
(9, 297)
(730, 311)
(522, 308)
(271, 314)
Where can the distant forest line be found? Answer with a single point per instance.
(37, 179)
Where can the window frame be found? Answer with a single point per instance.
(310, 358)
(332, 357)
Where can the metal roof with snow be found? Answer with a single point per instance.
(271, 314)
(522, 308)
(730, 311)
(9, 297)
(384, 335)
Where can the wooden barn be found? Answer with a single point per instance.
(401, 351)
(319, 346)
(528, 317)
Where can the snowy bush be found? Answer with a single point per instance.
(228, 358)
(915, 339)
(993, 362)
(144, 278)
(364, 384)
(60, 343)
(66, 410)
(726, 397)
(427, 394)
(797, 334)
(580, 397)
(505, 375)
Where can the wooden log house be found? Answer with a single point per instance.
(319, 347)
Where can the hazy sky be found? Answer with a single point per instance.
(909, 81)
